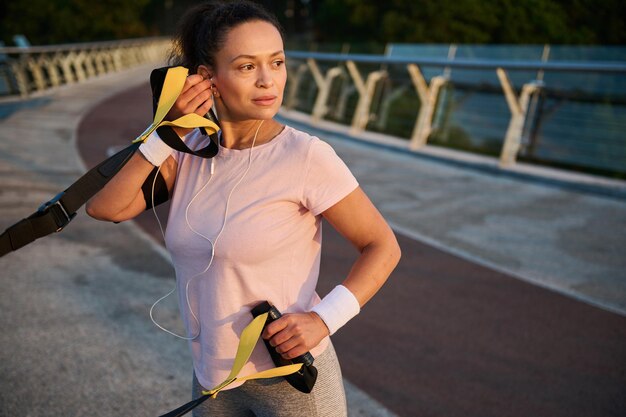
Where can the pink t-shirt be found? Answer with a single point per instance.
(270, 245)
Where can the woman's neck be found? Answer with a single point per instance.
(241, 135)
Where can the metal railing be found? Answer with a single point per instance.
(570, 114)
(24, 70)
(438, 98)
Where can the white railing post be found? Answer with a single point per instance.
(100, 64)
(109, 62)
(116, 61)
(324, 84)
(90, 68)
(18, 68)
(519, 109)
(35, 69)
(66, 66)
(366, 92)
(428, 99)
(52, 70)
(77, 63)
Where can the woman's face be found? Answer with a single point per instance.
(250, 73)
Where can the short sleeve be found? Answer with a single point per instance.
(327, 179)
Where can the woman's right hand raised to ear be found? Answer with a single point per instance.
(196, 98)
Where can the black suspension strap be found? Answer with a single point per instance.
(54, 215)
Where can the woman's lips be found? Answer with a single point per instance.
(265, 100)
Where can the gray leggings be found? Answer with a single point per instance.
(274, 397)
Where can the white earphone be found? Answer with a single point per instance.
(212, 242)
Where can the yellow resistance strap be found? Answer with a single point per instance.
(172, 87)
(248, 340)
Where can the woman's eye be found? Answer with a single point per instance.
(278, 62)
(247, 67)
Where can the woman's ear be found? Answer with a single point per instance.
(205, 72)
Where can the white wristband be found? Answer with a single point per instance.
(337, 308)
(155, 150)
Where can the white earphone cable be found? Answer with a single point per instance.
(212, 242)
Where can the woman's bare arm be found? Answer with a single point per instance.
(122, 198)
(356, 219)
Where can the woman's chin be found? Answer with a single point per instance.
(265, 114)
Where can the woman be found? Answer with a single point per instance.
(245, 226)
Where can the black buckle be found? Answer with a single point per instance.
(61, 216)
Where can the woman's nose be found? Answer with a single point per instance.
(265, 79)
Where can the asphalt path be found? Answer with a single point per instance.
(445, 336)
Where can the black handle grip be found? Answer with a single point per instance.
(305, 378)
(274, 314)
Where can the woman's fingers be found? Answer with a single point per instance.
(205, 107)
(194, 98)
(295, 334)
(201, 103)
(192, 80)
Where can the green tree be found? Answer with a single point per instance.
(51, 22)
(596, 22)
(339, 21)
(473, 21)
(460, 21)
